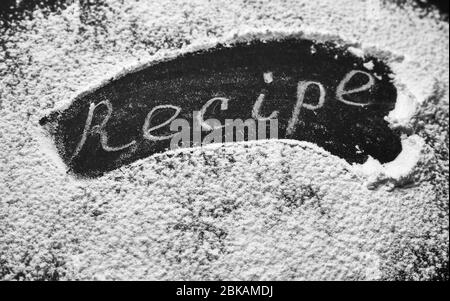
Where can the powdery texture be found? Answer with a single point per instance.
(260, 210)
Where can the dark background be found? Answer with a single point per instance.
(442, 5)
(352, 133)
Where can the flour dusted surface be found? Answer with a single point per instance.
(266, 210)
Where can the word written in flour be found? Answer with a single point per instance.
(291, 89)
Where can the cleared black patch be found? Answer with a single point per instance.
(13, 10)
(236, 72)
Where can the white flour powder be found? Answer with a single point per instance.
(272, 210)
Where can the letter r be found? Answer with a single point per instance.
(100, 129)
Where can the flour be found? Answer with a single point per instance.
(274, 210)
(405, 109)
